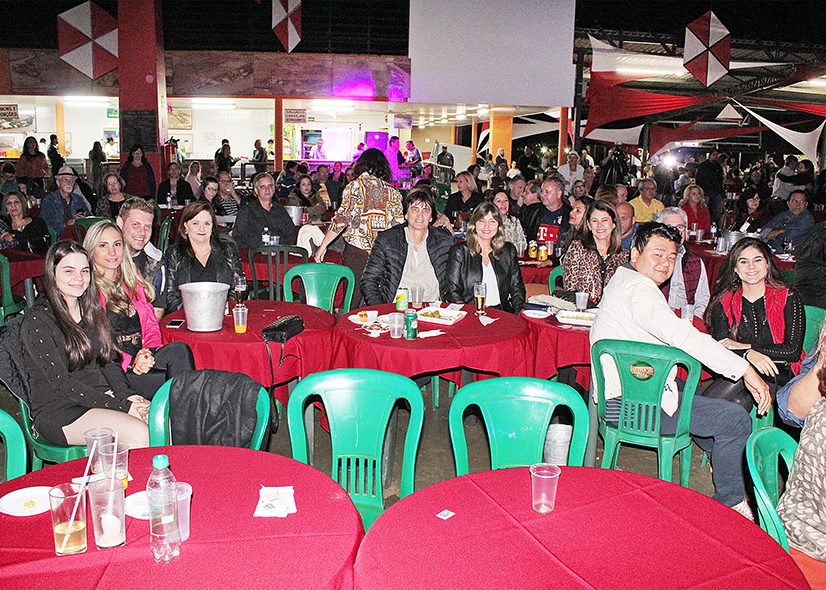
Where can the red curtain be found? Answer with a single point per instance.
(813, 109)
(660, 136)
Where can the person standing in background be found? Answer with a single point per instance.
(96, 157)
(110, 149)
(56, 159)
(259, 157)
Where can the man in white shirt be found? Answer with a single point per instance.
(689, 283)
(572, 171)
(634, 309)
(110, 150)
(317, 152)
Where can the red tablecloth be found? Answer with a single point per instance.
(304, 354)
(227, 547)
(535, 274)
(609, 529)
(23, 265)
(501, 349)
(714, 261)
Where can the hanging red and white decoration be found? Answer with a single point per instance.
(707, 50)
(87, 39)
(286, 22)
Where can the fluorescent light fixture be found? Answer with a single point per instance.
(214, 107)
(652, 71)
(818, 82)
(85, 103)
(460, 116)
(333, 109)
(483, 111)
(87, 99)
(224, 101)
(422, 126)
(328, 104)
(443, 120)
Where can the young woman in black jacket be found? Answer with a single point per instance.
(485, 257)
(73, 363)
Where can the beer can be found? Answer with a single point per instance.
(402, 297)
(543, 252)
(532, 249)
(411, 324)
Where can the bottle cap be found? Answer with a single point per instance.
(160, 462)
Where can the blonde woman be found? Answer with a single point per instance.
(127, 298)
(694, 205)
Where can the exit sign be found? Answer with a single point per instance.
(112, 113)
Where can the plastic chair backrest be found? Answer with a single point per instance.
(358, 403)
(163, 232)
(10, 305)
(275, 269)
(763, 451)
(159, 430)
(321, 281)
(84, 223)
(44, 450)
(52, 234)
(516, 412)
(555, 273)
(15, 446)
(814, 321)
(643, 371)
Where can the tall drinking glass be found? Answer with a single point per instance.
(480, 293)
(240, 289)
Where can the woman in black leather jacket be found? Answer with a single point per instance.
(397, 258)
(198, 255)
(484, 251)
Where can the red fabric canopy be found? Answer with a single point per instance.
(660, 136)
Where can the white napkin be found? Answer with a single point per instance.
(486, 320)
(429, 333)
(275, 501)
(454, 306)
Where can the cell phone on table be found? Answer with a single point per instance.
(175, 323)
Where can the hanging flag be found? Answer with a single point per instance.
(707, 50)
(87, 39)
(286, 22)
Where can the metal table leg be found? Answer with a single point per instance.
(28, 285)
(593, 431)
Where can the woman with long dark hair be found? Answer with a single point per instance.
(138, 174)
(32, 163)
(18, 229)
(753, 312)
(303, 195)
(127, 298)
(96, 158)
(198, 255)
(72, 359)
(369, 204)
(752, 210)
(592, 260)
(485, 257)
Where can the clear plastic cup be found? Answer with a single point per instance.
(117, 460)
(396, 325)
(108, 513)
(239, 316)
(581, 301)
(68, 521)
(103, 436)
(184, 503)
(544, 480)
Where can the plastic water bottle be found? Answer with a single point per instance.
(162, 493)
(169, 201)
(713, 231)
(265, 237)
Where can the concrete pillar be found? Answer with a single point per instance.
(142, 80)
(501, 133)
(278, 136)
(60, 121)
(562, 156)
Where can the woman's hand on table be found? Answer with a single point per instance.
(143, 361)
(320, 253)
(761, 362)
(139, 408)
(733, 344)
(758, 389)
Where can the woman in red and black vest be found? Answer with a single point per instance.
(754, 313)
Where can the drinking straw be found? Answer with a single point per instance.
(114, 463)
(82, 491)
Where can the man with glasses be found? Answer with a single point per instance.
(229, 199)
(788, 229)
(645, 205)
(688, 284)
(63, 206)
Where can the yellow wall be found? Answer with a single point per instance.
(424, 138)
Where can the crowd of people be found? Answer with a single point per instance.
(622, 243)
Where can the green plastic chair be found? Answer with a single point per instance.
(52, 234)
(516, 412)
(163, 233)
(159, 431)
(44, 450)
(642, 392)
(358, 403)
(11, 304)
(788, 276)
(84, 223)
(276, 269)
(15, 446)
(556, 272)
(763, 451)
(321, 281)
(814, 321)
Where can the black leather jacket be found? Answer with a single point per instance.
(385, 266)
(531, 218)
(180, 270)
(465, 269)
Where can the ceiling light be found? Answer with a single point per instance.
(85, 103)
(483, 111)
(460, 116)
(818, 82)
(338, 105)
(88, 99)
(224, 101)
(220, 107)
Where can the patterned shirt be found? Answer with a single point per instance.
(368, 205)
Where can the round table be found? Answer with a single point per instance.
(558, 345)
(531, 273)
(714, 260)
(306, 353)
(502, 348)
(24, 267)
(609, 529)
(227, 547)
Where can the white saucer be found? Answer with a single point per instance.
(537, 314)
(137, 505)
(26, 502)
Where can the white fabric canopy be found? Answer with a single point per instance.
(805, 142)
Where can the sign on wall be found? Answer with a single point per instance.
(295, 115)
